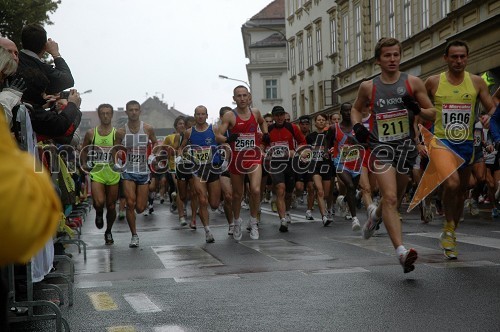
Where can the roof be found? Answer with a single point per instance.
(275, 10)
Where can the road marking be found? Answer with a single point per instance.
(282, 250)
(482, 241)
(185, 256)
(337, 271)
(102, 301)
(93, 284)
(121, 329)
(457, 264)
(141, 303)
(207, 278)
(168, 328)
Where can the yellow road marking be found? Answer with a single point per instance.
(102, 301)
(121, 329)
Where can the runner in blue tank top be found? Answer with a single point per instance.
(199, 142)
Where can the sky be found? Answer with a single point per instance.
(129, 49)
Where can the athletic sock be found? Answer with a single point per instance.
(401, 250)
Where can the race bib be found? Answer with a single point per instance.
(279, 149)
(244, 141)
(137, 155)
(393, 126)
(318, 153)
(202, 154)
(349, 153)
(100, 154)
(456, 113)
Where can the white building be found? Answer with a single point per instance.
(331, 43)
(265, 47)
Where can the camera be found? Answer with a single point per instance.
(64, 95)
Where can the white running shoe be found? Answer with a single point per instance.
(237, 234)
(231, 229)
(209, 238)
(182, 221)
(134, 241)
(356, 226)
(288, 217)
(254, 231)
(371, 224)
(309, 215)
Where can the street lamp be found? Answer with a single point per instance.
(234, 79)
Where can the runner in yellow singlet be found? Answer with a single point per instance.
(96, 155)
(455, 93)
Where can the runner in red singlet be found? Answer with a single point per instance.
(246, 159)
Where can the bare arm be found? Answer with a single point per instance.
(227, 120)
(362, 100)
(260, 121)
(187, 135)
(428, 112)
(89, 135)
(484, 94)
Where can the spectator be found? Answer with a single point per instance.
(35, 45)
(11, 94)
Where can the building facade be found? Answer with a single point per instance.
(266, 49)
(331, 43)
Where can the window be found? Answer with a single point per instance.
(345, 26)
(319, 49)
(445, 8)
(392, 20)
(300, 46)
(309, 48)
(377, 10)
(357, 26)
(272, 89)
(425, 13)
(311, 100)
(407, 18)
(291, 7)
(333, 36)
(292, 59)
(321, 97)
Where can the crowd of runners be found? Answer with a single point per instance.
(370, 154)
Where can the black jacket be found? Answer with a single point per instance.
(59, 76)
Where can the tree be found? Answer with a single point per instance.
(14, 14)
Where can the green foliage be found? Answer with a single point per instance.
(14, 14)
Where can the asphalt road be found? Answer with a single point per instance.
(309, 279)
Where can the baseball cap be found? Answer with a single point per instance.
(277, 110)
(304, 119)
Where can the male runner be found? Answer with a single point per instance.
(246, 157)
(391, 98)
(200, 142)
(96, 154)
(135, 137)
(455, 93)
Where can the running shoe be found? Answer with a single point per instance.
(408, 259)
(254, 231)
(121, 215)
(326, 220)
(474, 209)
(99, 222)
(192, 224)
(134, 241)
(356, 226)
(108, 238)
(274, 207)
(371, 224)
(428, 215)
(209, 238)
(448, 243)
(162, 200)
(494, 213)
(288, 217)
(182, 221)
(237, 234)
(284, 225)
(231, 229)
(309, 215)
(151, 208)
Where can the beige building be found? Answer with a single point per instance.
(265, 47)
(331, 43)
